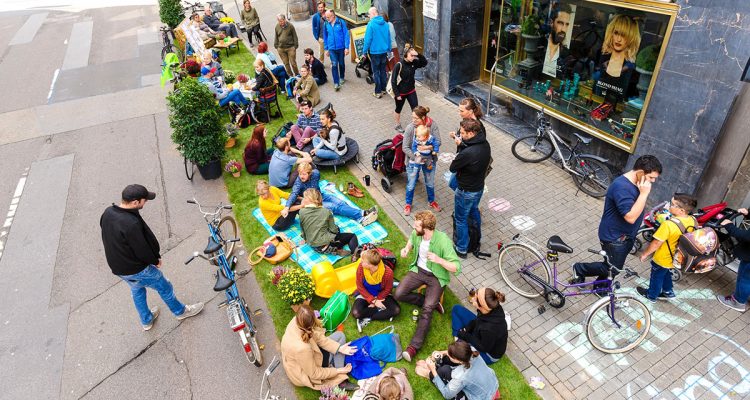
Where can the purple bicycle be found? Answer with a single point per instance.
(616, 323)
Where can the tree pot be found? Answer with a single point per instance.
(230, 143)
(212, 170)
(296, 307)
(236, 174)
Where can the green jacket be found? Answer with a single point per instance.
(286, 37)
(318, 227)
(250, 18)
(442, 246)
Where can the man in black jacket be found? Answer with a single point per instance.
(738, 299)
(215, 23)
(132, 253)
(470, 167)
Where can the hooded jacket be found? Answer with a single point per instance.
(488, 333)
(470, 164)
(129, 244)
(742, 250)
(377, 37)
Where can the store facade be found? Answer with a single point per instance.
(640, 76)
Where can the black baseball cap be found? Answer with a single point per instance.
(137, 192)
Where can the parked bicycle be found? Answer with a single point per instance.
(168, 46)
(616, 323)
(221, 242)
(265, 380)
(590, 173)
(197, 7)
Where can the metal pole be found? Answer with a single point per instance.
(497, 55)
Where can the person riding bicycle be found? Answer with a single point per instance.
(624, 206)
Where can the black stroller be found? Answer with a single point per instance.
(389, 159)
(364, 64)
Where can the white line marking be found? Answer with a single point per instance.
(29, 29)
(19, 187)
(52, 85)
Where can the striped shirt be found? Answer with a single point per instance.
(313, 122)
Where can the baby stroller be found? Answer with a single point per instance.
(388, 158)
(364, 64)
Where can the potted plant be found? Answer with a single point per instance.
(229, 77)
(530, 31)
(276, 273)
(333, 393)
(645, 63)
(234, 168)
(170, 13)
(296, 287)
(242, 80)
(196, 127)
(231, 135)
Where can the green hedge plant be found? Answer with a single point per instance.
(196, 124)
(647, 57)
(170, 12)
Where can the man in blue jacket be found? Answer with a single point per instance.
(318, 26)
(336, 38)
(377, 45)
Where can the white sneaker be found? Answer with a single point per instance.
(154, 314)
(361, 323)
(191, 311)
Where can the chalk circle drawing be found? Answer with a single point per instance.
(499, 204)
(522, 222)
(446, 157)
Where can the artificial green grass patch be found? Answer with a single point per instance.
(242, 195)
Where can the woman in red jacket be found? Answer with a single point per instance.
(374, 284)
(257, 158)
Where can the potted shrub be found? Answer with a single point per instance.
(196, 127)
(296, 287)
(530, 31)
(276, 273)
(229, 77)
(231, 135)
(170, 13)
(645, 63)
(234, 168)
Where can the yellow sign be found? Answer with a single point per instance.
(357, 36)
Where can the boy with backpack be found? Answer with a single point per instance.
(664, 247)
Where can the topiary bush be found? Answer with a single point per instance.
(196, 123)
(170, 12)
(647, 57)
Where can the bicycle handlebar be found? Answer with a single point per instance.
(274, 364)
(217, 210)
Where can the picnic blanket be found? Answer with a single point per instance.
(305, 256)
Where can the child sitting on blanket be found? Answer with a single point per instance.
(319, 229)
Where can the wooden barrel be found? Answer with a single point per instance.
(299, 10)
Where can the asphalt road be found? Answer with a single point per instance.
(79, 121)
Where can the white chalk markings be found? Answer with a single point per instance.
(12, 210)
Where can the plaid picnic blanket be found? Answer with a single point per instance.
(305, 256)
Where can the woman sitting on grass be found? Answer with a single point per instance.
(331, 144)
(319, 229)
(487, 331)
(269, 203)
(460, 373)
(306, 88)
(257, 157)
(310, 358)
(374, 284)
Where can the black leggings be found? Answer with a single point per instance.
(283, 223)
(344, 238)
(253, 30)
(411, 97)
(361, 309)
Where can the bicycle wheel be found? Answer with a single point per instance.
(633, 321)
(592, 176)
(515, 258)
(189, 169)
(533, 149)
(170, 48)
(228, 230)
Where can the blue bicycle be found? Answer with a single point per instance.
(219, 252)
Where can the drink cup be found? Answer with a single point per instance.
(367, 180)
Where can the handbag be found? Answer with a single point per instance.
(275, 249)
(335, 311)
(389, 85)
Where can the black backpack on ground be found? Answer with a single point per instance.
(475, 237)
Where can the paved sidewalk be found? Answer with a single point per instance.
(696, 348)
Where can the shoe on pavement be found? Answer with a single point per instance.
(354, 191)
(730, 302)
(644, 292)
(460, 253)
(154, 314)
(342, 81)
(191, 311)
(337, 87)
(667, 296)
(409, 353)
(377, 95)
(434, 205)
(407, 210)
(361, 323)
(399, 128)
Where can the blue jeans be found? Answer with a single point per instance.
(742, 289)
(453, 182)
(324, 152)
(378, 62)
(339, 207)
(280, 73)
(466, 205)
(151, 277)
(660, 282)
(235, 96)
(616, 251)
(412, 176)
(338, 65)
(461, 317)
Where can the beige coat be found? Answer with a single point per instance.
(303, 361)
(406, 392)
(308, 89)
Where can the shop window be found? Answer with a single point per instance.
(354, 11)
(589, 63)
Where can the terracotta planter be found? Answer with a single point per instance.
(230, 143)
(296, 307)
(236, 174)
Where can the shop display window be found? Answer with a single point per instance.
(590, 63)
(354, 11)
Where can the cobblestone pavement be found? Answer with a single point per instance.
(696, 347)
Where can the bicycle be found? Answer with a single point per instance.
(590, 173)
(616, 323)
(221, 242)
(216, 7)
(266, 374)
(168, 46)
(189, 168)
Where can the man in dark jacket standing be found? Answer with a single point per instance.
(377, 45)
(132, 253)
(470, 167)
(738, 299)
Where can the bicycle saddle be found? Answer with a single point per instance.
(582, 139)
(212, 246)
(556, 244)
(222, 282)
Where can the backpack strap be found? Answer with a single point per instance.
(682, 229)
